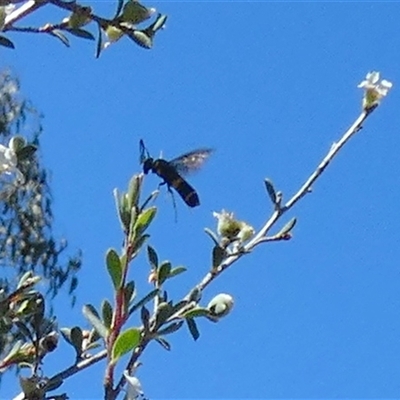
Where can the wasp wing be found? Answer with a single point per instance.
(191, 161)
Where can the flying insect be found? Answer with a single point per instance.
(171, 171)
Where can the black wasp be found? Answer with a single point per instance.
(171, 171)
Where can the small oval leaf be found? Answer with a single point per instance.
(270, 190)
(126, 342)
(163, 343)
(93, 317)
(193, 328)
(82, 33)
(175, 326)
(77, 339)
(164, 311)
(176, 271)
(129, 292)
(287, 228)
(59, 35)
(163, 272)
(142, 302)
(114, 267)
(218, 255)
(107, 313)
(196, 312)
(6, 42)
(145, 317)
(152, 256)
(144, 220)
(141, 38)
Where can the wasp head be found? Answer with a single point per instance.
(148, 165)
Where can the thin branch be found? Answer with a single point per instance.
(74, 369)
(325, 162)
(304, 189)
(28, 8)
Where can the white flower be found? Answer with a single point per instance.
(8, 163)
(134, 387)
(375, 90)
(230, 228)
(227, 225)
(221, 305)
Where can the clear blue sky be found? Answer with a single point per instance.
(270, 86)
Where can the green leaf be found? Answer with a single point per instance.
(14, 352)
(144, 220)
(99, 46)
(178, 306)
(193, 328)
(79, 17)
(59, 35)
(134, 190)
(141, 39)
(66, 334)
(164, 311)
(212, 235)
(93, 317)
(126, 342)
(159, 23)
(134, 12)
(53, 384)
(145, 317)
(124, 214)
(176, 271)
(120, 3)
(164, 344)
(6, 42)
(139, 242)
(129, 292)
(150, 198)
(77, 339)
(153, 258)
(26, 152)
(114, 267)
(82, 33)
(287, 228)
(150, 296)
(270, 190)
(107, 313)
(194, 295)
(196, 312)
(163, 272)
(175, 326)
(218, 255)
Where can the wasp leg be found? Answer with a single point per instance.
(173, 203)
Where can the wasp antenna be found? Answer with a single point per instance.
(144, 153)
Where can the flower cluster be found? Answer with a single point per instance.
(375, 89)
(9, 161)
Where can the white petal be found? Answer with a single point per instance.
(134, 387)
(386, 84)
(373, 77)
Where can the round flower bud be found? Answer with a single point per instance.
(17, 143)
(220, 305)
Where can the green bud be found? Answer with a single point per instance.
(17, 143)
(79, 18)
(113, 34)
